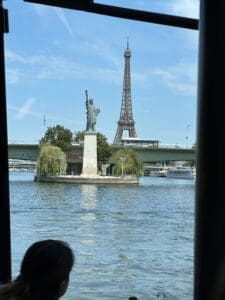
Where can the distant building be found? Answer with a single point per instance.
(137, 142)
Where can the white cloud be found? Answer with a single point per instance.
(103, 50)
(25, 109)
(59, 68)
(13, 76)
(43, 11)
(63, 19)
(12, 56)
(186, 8)
(190, 9)
(181, 78)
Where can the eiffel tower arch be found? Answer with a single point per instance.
(126, 121)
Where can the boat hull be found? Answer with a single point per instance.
(181, 174)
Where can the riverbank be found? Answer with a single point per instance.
(89, 179)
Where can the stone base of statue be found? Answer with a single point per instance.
(90, 167)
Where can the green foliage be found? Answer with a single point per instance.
(58, 136)
(104, 150)
(127, 162)
(79, 136)
(51, 161)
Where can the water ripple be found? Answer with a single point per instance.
(127, 240)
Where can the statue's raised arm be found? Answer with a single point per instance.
(86, 93)
(92, 113)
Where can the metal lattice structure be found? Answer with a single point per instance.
(126, 121)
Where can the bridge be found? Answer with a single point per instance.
(147, 155)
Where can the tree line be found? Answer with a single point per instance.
(58, 141)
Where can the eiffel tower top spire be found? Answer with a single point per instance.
(127, 52)
(127, 42)
(126, 121)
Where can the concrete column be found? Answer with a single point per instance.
(90, 154)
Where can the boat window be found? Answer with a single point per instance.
(128, 240)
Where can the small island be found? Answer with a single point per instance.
(57, 142)
(90, 180)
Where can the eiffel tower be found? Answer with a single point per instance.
(126, 121)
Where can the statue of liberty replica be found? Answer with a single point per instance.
(90, 140)
(92, 113)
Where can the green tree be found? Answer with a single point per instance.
(79, 136)
(51, 161)
(104, 150)
(127, 162)
(58, 136)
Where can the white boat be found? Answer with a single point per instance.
(181, 173)
(159, 173)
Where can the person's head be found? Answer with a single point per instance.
(91, 101)
(44, 272)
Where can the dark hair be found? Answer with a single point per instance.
(46, 264)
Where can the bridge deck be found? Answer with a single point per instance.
(148, 155)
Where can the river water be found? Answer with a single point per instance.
(128, 240)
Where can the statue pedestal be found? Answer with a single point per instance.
(90, 154)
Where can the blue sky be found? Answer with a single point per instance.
(53, 55)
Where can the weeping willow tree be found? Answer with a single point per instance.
(51, 161)
(127, 162)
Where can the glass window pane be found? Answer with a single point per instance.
(186, 8)
(129, 240)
